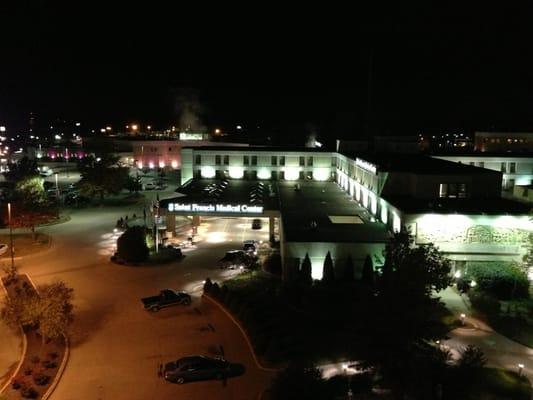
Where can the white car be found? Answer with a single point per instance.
(3, 248)
(46, 172)
(149, 186)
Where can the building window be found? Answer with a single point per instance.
(282, 175)
(481, 164)
(310, 161)
(282, 160)
(503, 167)
(301, 175)
(254, 160)
(453, 190)
(217, 160)
(198, 159)
(226, 160)
(512, 167)
(274, 161)
(472, 163)
(302, 161)
(246, 160)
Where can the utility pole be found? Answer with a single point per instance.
(10, 235)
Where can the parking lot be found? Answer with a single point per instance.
(116, 344)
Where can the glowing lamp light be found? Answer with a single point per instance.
(263, 174)
(320, 174)
(457, 274)
(291, 174)
(102, 130)
(473, 284)
(207, 172)
(140, 164)
(236, 172)
(384, 214)
(161, 164)
(174, 164)
(2, 128)
(134, 127)
(151, 165)
(396, 223)
(373, 204)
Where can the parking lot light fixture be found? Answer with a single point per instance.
(463, 316)
(520, 368)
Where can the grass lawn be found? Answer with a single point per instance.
(23, 244)
(495, 384)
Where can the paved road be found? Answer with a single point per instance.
(116, 345)
(500, 351)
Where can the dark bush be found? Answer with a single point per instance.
(41, 379)
(484, 302)
(503, 280)
(207, 285)
(272, 264)
(471, 357)
(16, 384)
(35, 359)
(28, 371)
(215, 291)
(53, 355)
(131, 245)
(29, 392)
(49, 364)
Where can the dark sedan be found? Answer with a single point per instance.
(196, 368)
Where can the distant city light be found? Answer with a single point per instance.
(57, 137)
(217, 131)
(239, 127)
(149, 127)
(78, 124)
(318, 144)
(107, 128)
(134, 127)
(2, 128)
(102, 130)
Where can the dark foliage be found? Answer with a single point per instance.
(131, 245)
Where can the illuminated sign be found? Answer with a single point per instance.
(216, 208)
(365, 165)
(191, 136)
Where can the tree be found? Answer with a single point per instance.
(131, 245)
(368, 272)
(102, 176)
(133, 185)
(305, 271)
(30, 206)
(298, 382)
(22, 309)
(55, 309)
(528, 257)
(471, 357)
(348, 270)
(24, 168)
(328, 274)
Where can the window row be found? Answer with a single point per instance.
(264, 175)
(453, 190)
(252, 160)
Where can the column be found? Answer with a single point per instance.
(170, 220)
(271, 221)
(196, 220)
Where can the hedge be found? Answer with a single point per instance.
(502, 280)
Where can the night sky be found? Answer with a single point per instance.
(289, 72)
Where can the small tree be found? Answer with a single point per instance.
(348, 270)
(55, 309)
(25, 168)
(22, 309)
(305, 271)
(471, 357)
(367, 276)
(133, 185)
(328, 274)
(131, 245)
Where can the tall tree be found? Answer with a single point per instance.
(348, 270)
(328, 274)
(30, 207)
(102, 176)
(368, 272)
(305, 271)
(24, 168)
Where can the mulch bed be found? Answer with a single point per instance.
(41, 362)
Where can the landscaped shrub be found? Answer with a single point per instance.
(41, 379)
(131, 245)
(471, 357)
(35, 359)
(28, 392)
(215, 291)
(502, 280)
(48, 364)
(207, 285)
(272, 264)
(484, 302)
(328, 273)
(305, 271)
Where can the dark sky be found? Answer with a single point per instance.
(288, 70)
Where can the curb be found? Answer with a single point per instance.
(46, 250)
(261, 367)
(60, 371)
(63, 365)
(24, 349)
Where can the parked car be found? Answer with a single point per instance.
(257, 224)
(149, 186)
(233, 259)
(166, 298)
(46, 172)
(249, 245)
(3, 248)
(195, 368)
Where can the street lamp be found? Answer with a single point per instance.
(520, 368)
(10, 235)
(57, 186)
(463, 316)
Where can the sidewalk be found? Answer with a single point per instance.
(10, 350)
(500, 351)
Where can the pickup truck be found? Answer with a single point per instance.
(166, 298)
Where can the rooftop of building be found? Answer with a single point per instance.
(495, 206)
(277, 149)
(500, 154)
(317, 212)
(421, 164)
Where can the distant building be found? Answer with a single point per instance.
(503, 142)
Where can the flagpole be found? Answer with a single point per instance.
(156, 227)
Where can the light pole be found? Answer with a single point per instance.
(520, 368)
(463, 316)
(10, 235)
(57, 186)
